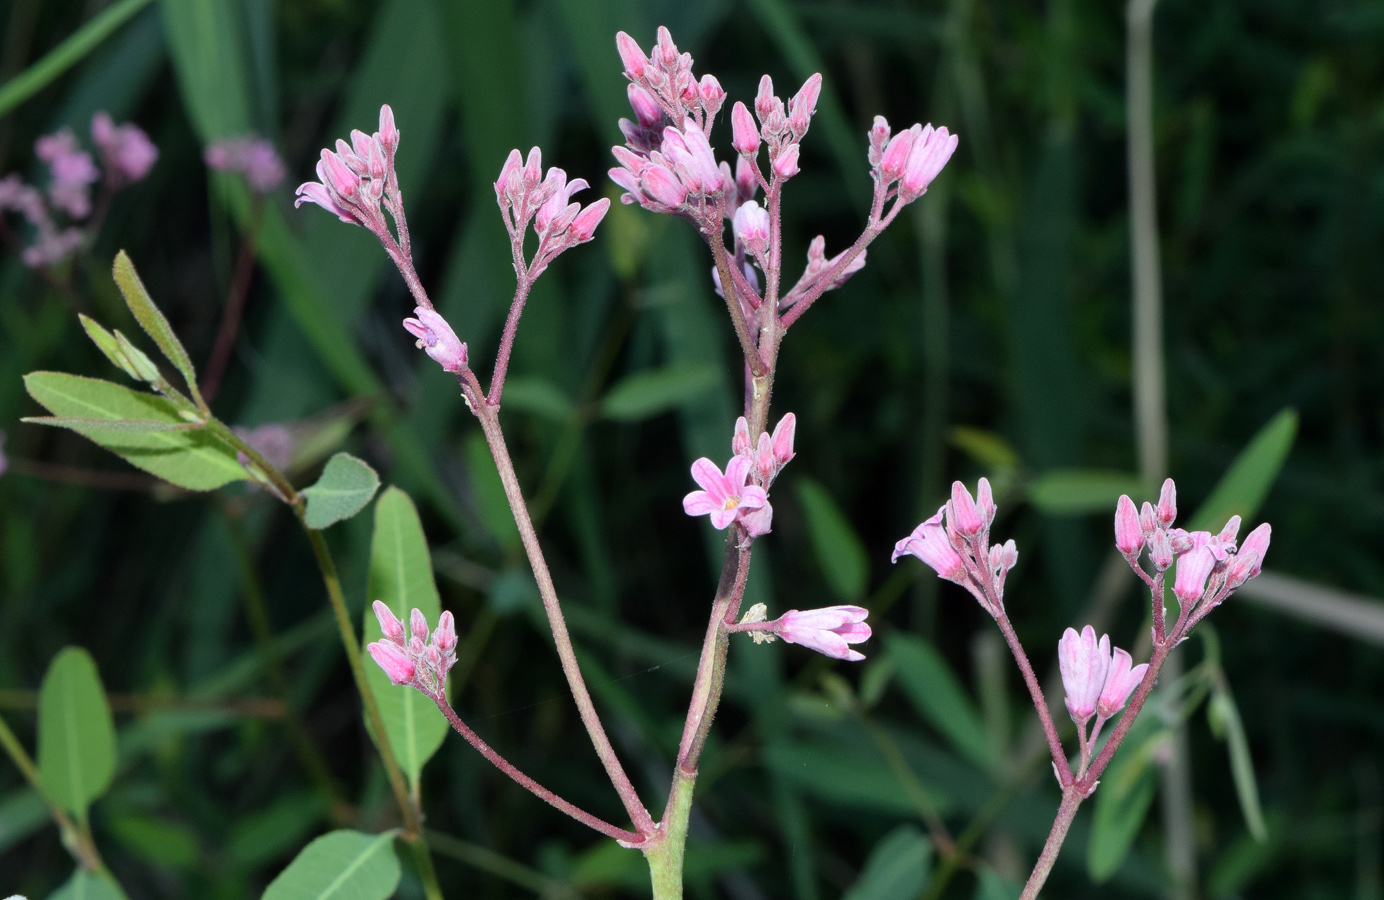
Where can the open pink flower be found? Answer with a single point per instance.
(437, 338)
(829, 631)
(723, 497)
(929, 543)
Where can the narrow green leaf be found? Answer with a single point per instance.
(76, 734)
(342, 865)
(1071, 492)
(108, 345)
(401, 577)
(152, 320)
(67, 54)
(898, 868)
(1243, 487)
(839, 550)
(537, 395)
(84, 885)
(647, 394)
(1123, 799)
(1224, 716)
(836, 775)
(345, 487)
(192, 459)
(131, 426)
(489, 492)
(158, 841)
(938, 696)
(985, 447)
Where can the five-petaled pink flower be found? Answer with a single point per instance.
(829, 631)
(723, 497)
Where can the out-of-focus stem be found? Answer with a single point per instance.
(76, 838)
(235, 304)
(489, 417)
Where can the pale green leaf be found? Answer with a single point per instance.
(839, 550)
(898, 867)
(108, 345)
(647, 394)
(1226, 724)
(1127, 788)
(112, 426)
(345, 487)
(76, 734)
(342, 865)
(985, 447)
(538, 396)
(84, 885)
(195, 459)
(991, 886)
(1243, 487)
(159, 841)
(488, 491)
(152, 320)
(401, 577)
(938, 696)
(1070, 492)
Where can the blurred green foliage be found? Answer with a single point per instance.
(988, 335)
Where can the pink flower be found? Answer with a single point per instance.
(645, 107)
(634, 59)
(1120, 682)
(786, 163)
(273, 441)
(1129, 535)
(930, 152)
(829, 631)
(1193, 568)
(353, 180)
(929, 543)
(125, 149)
(558, 209)
(751, 226)
(416, 658)
(252, 157)
(962, 511)
(745, 137)
(1247, 563)
(895, 155)
(723, 497)
(73, 172)
(759, 522)
(803, 105)
(1084, 662)
(437, 338)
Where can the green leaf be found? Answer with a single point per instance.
(401, 576)
(898, 867)
(839, 550)
(1126, 792)
(344, 488)
(108, 345)
(489, 492)
(116, 426)
(1072, 492)
(152, 320)
(342, 865)
(836, 775)
(1224, 718)
(76, 734)
(539, 396)
(990, 886)
(84, 885)
(646, 394)
(194, 459)
(157, 841)
(938, 696)
(985, 447)
(67, 54)
(1243, 487)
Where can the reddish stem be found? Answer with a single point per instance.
(235, 305)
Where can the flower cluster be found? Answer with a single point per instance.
(415, 659)
(127, 155)
(526, 195)
(956, 544)
(907, 162)
(830, 630)
(1097, 680)
(250, 156)
(732, 497)
(1209, 567)
(357, 178)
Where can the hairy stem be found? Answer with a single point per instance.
(1071, 799)
(1059, 758)
(665, 857)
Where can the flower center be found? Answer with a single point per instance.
(730, 503)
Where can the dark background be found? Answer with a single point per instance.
(999, 305)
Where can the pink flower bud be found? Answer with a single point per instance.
(1227, 536)
(751, 226)
(662, 186)
(746, 180)
(1193, 568)
(1247, 563)
(895, 155)
(1129, 536)
(390, 625)
(879, 139)
(804, 104)
(1148, 521)
(740, 441)
(665, 51)
(583, 227)
(712, 94)
(930, 152)
(633, 58)
(437, 338)
(511, 179)
(759, 522)
(962, 511)
(645, 107)
(532, 173)
(389, 135)
(418, 625)
(985, 501)
(784, 433)
(445, 638)
(745, 136)
(786, 164)
(765, 101)
(394, 661)
(337, 176)
(1120, 682)
(1167, 504)
(1084, 662)
(829, 631)
(1161, 550)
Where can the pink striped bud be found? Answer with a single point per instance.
(1247, 563)
(583, 227)
(1084, 662)
(1120, 681)
(930, 152)
(985, 498)
(445, 638)
(786, 165)
(1148, 520)
(532, 173)
(745, 136)
(338, 177)
(665, 51)
(1167, 504)
(1193, 568)
(962, 511)
(436, 337)
(784, 433)
(390, 625)
(389, 134)
(1129, 536)
(765, 101)
(751, 226)
(895, 156)
(804, 104)
(418, 625)
(829, 631)
(633, 58)
(740, 441)
(662, 186)
(1161, 550)
(645, 107)
(712, 95)
(511, 179)
(394, 661)
(879, 139)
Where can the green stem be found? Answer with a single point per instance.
(77, 839)
(422, 861)
(666, 855)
